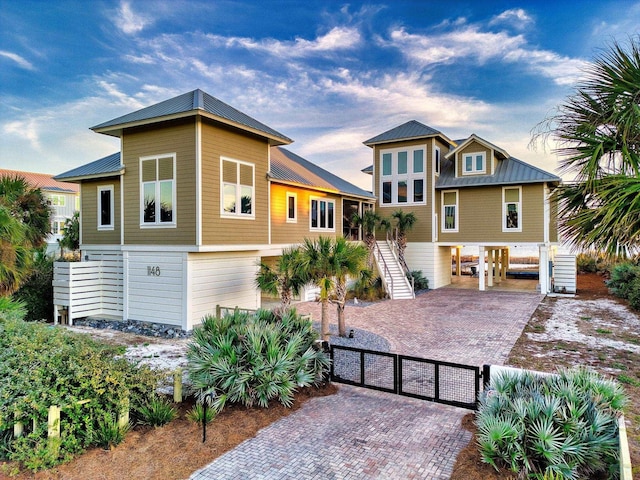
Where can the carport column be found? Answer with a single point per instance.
(505, 262)
(481, 268)
(490, 267)
(458, 268)
(543, 268)
(497, 272)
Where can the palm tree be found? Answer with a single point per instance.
(598, 132)
(285, 279)
(15, 255)
(369, 220)
(317, 264)
(347, 260)
(404, 223)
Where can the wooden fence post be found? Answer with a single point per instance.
(177, 386)
(53, 429)
(123, 416)
(218, 311)
(18, 428)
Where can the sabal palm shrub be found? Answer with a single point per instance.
(253, 359)
(561, 425)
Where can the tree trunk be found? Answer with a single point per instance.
(341, 296)
(342, 328)
(324, 322)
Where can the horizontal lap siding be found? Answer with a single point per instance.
(90, 233)
(218, 142)
(161, 140)
(433, 261)
(474, 147)
(156, 298)
(226, 279)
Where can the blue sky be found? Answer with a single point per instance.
(327, 74)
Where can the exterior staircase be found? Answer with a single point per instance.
(392, 271)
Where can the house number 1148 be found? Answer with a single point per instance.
(153, 271)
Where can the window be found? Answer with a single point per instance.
(292, 210)
(158, 191)
(402, 179)
(105, 207)
(237, 189)
(450, 211)
(322, 214)
(57, 200)
(511, 209)
(436, 160)
(473, 163)
(57, 227)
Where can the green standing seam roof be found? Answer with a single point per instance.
(105, 167)
(193, 102)
(409, 130)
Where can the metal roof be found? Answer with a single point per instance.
(187, 104)
(288, 167)
(463, 143)
(509, 171)
(42, 181)
(407, 131)
(104, 167)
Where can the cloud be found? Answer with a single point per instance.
(22, 62)
(516, 17)
(128, 21)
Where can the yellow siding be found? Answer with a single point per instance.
(480, 216)
(473, 147)
(289, 233)
(89, 206)
(178, 138)
(219, 142)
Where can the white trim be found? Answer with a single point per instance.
(474, 170)
(121, 194)
(158, 224)
(238, 215)
(328, 201)
(268, 195)
(110, 189)
(457, 215)
(546, 213)
(198, 181)
(295, 207)
(505, 229)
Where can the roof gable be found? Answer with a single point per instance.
(474, 138)
(411, 130)
(287, 167)
(108, 166)
(188, 104)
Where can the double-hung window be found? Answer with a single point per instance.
(105, 207)
(474, 163)
(511, 209)
(158, 190)
(292, 207)
(402, 179)
(57, 200)
(238, 180)
(322, 214)
(450, 211)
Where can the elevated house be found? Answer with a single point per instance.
(178, 220)
(63, 197)
(467, 192)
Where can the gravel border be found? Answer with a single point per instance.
(361, 338)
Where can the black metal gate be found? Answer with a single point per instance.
(442, 382)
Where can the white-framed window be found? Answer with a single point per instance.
(473, 163)
(57, 227)
(237, 189)
(292, 207)
(436, 160)
(449, 210)
(402, 179)
(105, 207)
(322, 214)
(512, 209)
(57, 200)
(158, 190)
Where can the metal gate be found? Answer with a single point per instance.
(442, 382)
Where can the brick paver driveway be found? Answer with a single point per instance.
(362, 434)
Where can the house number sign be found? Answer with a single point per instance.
(153, 271)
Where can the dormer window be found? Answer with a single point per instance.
(473, 163)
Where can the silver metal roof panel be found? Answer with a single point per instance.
(104, 167)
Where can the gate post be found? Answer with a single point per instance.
(486, 376)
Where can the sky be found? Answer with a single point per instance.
(327, 74)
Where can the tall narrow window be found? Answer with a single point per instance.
(322, 214)
(105, 207)
(237, 188)
(158, 190)
(436, 160)
(511, 205)
(402, 175)
(450, 211)
(292, 210)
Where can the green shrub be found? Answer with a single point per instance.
(157, 411)
(622, 277)
(419, 282)
(37, 291)
(634, 293)
(109, 433)
(368, 287)
(593, 262)
(41, 366)
(12, 309)
(563, 424)
(197, 413)
(254, 358)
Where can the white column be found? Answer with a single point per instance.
(505, 262)
(497, 272)
(458, 268)
(489, 268)
(481, 286)
(543, 269)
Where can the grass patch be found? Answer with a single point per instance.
(603, 331)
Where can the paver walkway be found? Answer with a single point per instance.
(364, 434)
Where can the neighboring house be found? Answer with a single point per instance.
(464, 193)
(63, 197)
(200, 193)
